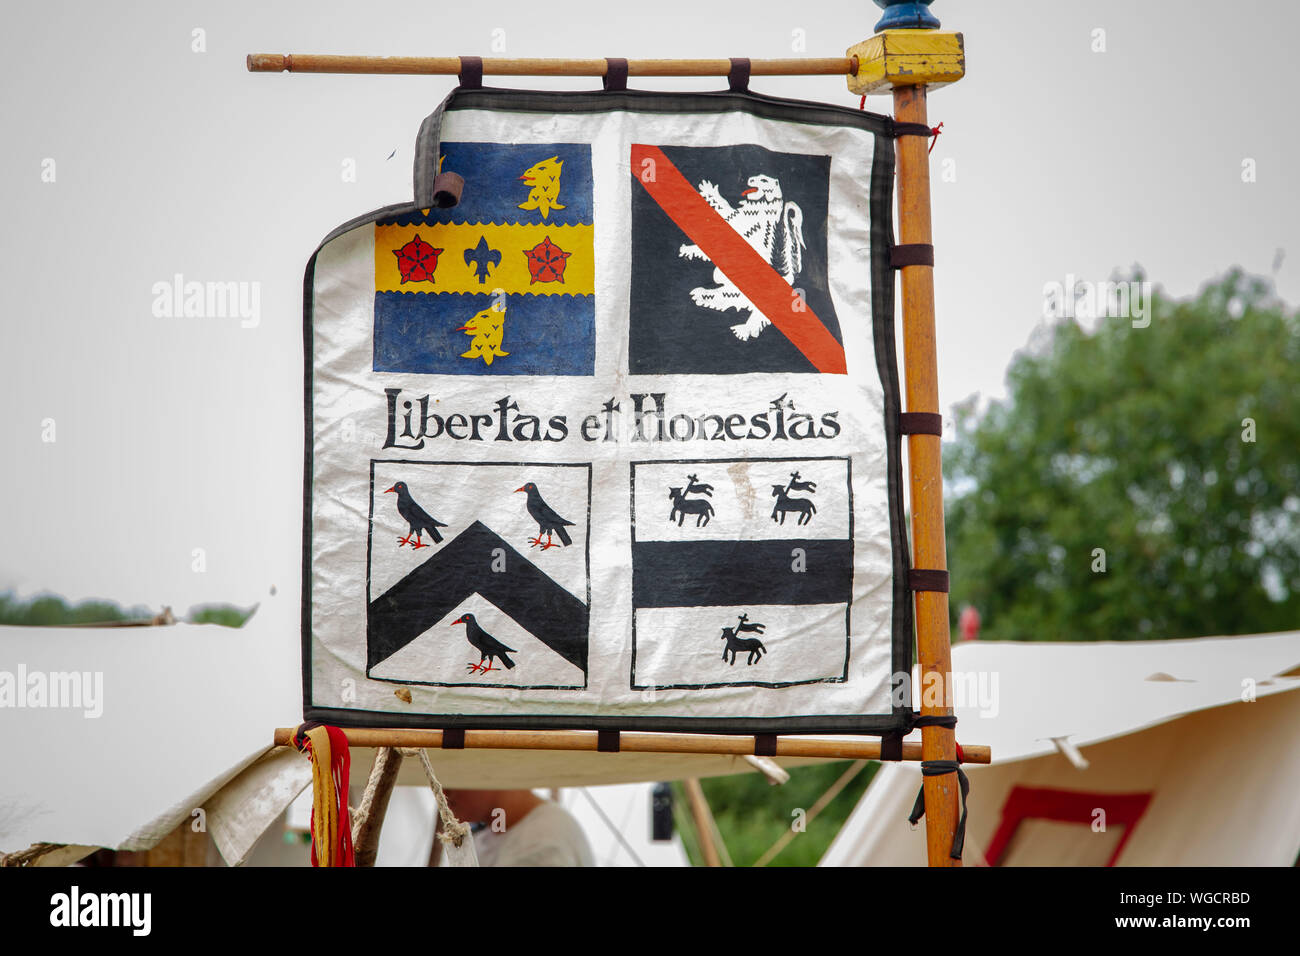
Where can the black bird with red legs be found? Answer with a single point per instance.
(416, 518)
(487, 646)
(548, 522)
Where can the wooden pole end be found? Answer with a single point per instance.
(265, 63)
(907, 58)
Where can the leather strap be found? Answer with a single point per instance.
(738, 78)
(453, 739)
(471, 72)
(615, 77)
(891, 747)
(924, 579)
(765, 745)
(911, 129)
(939, 768)
(607, 741)
(911, 254)
(920, 423)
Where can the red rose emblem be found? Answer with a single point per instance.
(546, 262)
(417, 260)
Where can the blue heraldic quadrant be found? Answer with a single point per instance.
(502, 283)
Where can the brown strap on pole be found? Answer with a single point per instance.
(471, 72)
(765, 745)
(738, 78)
(615, 77)
(453, 739)
(607, 741)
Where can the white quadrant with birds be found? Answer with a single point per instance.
(539, 512)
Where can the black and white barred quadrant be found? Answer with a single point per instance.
(742, 572)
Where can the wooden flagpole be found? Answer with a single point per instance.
(907, 55)
(929, 550)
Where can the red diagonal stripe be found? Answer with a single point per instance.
(755, 278)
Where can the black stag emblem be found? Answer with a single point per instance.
(752, 645)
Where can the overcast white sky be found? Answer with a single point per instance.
(174, 434)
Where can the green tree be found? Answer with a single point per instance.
(227, 615)
(1171, 453)
(752, 814)
(49, 610)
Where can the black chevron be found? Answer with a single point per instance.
(461, 567)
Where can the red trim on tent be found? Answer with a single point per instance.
(1066, 806)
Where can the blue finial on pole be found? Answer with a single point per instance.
(906, 15)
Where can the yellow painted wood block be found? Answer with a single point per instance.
(907, 58)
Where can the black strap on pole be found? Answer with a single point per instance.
(765, 745)
(934, 720)
(920, 423)
(926, 579)
(615, 78)
(453, 739)
(939, 768)
(298, 739)
(897, 129)
(891, 747)
(911, 254)
(607, 741)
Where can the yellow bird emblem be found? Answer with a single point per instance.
(543, 181)
(485, 331)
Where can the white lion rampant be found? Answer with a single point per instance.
(775, 230)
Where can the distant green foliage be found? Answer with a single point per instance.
(50, 610)
(1130, 440)
(752, 814)
(224, 614)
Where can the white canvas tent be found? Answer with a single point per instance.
(614, 818)
(1157, 732)
(187, 717)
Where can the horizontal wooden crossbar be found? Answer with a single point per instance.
(636, 742)
(542, 66)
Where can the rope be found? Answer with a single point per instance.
(823, 801)
(939, 768)
(613, 828)
(453, 831)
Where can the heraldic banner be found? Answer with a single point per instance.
(611, 441)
